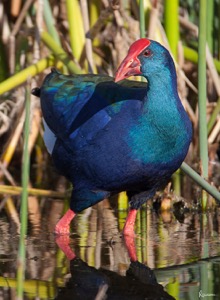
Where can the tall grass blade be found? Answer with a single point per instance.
(200, 181)
(19, 78)
(59, 53)
(76, 32)
(49, 20)
(210, 24)
(171, 22)
(24, 198)
(203, 135)
(142, 19)
(192, 56)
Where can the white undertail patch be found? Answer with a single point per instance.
(49, 138)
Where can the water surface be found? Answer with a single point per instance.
(183, 253)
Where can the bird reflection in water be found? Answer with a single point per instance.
(90, 283)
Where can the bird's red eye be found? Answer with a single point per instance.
(147, 53)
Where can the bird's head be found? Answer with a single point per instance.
(145, 57)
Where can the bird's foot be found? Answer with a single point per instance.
(63, 226)
(63, 243)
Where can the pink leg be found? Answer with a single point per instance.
(63, 226)
(129, 234)
(129, 223)
(131, 248)
(63, 243)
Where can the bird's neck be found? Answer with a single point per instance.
(163, 132)
(162, 91)
(162, 106)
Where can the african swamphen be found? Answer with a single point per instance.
(107, 137)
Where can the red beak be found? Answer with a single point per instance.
(131, 64)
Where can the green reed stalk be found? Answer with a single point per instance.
(70, 17)
(171, 22)
(203, 140)
(138, 240)
(76, 31)
(19, 78)
(144, 223)
(176, 181)
(142, 22)
(94, 9)
(192, 56)
(217, 34)
(59, 53)
(122, 209)
(24, 200)
(210, 23)
(142, 19)
(200, 181)
(49, 20)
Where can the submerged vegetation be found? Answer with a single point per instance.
(92, 36)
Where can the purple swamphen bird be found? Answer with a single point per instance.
(107, 137)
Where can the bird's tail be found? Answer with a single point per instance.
(36, 92)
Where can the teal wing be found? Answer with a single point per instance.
(82, 105)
